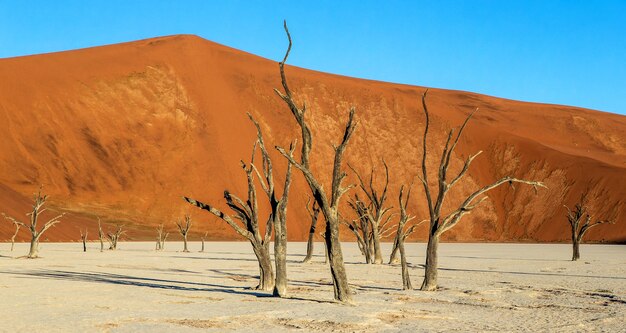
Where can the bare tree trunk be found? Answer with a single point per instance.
(337, 269)
(309, 247)
(430, 273)
(162, 247)
(280, 258)
(159, 237)
(406, 279)
(323, 235)
(314, 213)
(266, 274)
(359, 229)
(378, 257)
(279, 210)
(100, 235)
(576, 249)
(34, 247)
(113, 238)
(202, 239)
(373, 212)
(367, 242)
(402, 234)
(183, 229)
(17, 229)
(325, 253)
(393, 258)
(83, 237)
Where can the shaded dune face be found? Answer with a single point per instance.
(123, 131)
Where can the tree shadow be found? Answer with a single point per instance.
(517, 259)
(303, 283)
(290, 282)
(530, 273)
(128, 280)
(213, 258)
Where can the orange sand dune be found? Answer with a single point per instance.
(123, 131)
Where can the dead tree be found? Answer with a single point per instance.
(314, 211)
(361, 229)
(440, 223)
(328, 203)
(393, 258)
(374, 211)
(580, 214)
(40, 200)
(114, 237)
(404, 218)
(17, 229)
(183, 229)
(322, 235)
(203, 238)
(161, 237)
(100, 235)
(278, 206)
(402, 233)
(247, 213)
(83, 237)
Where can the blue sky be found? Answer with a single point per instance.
(564, 52)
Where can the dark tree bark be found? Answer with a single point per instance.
(325, 249)
(83, 237)
(329, 204)
(576, 249)
(361, 228)
(314, 212)
(279, 210)
(374, 211)
(402, 233)
(246, 212)
(40, 200)
(580, 214)
(249, 230)
(404, 218)
(183, 229)
(440, 223)
(432, 262)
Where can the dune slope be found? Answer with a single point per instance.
(123, 131)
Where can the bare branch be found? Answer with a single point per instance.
(221, 215)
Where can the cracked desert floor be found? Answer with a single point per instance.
(484, 287)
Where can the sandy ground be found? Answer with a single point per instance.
(484, 287)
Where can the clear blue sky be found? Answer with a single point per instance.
(569, 52)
